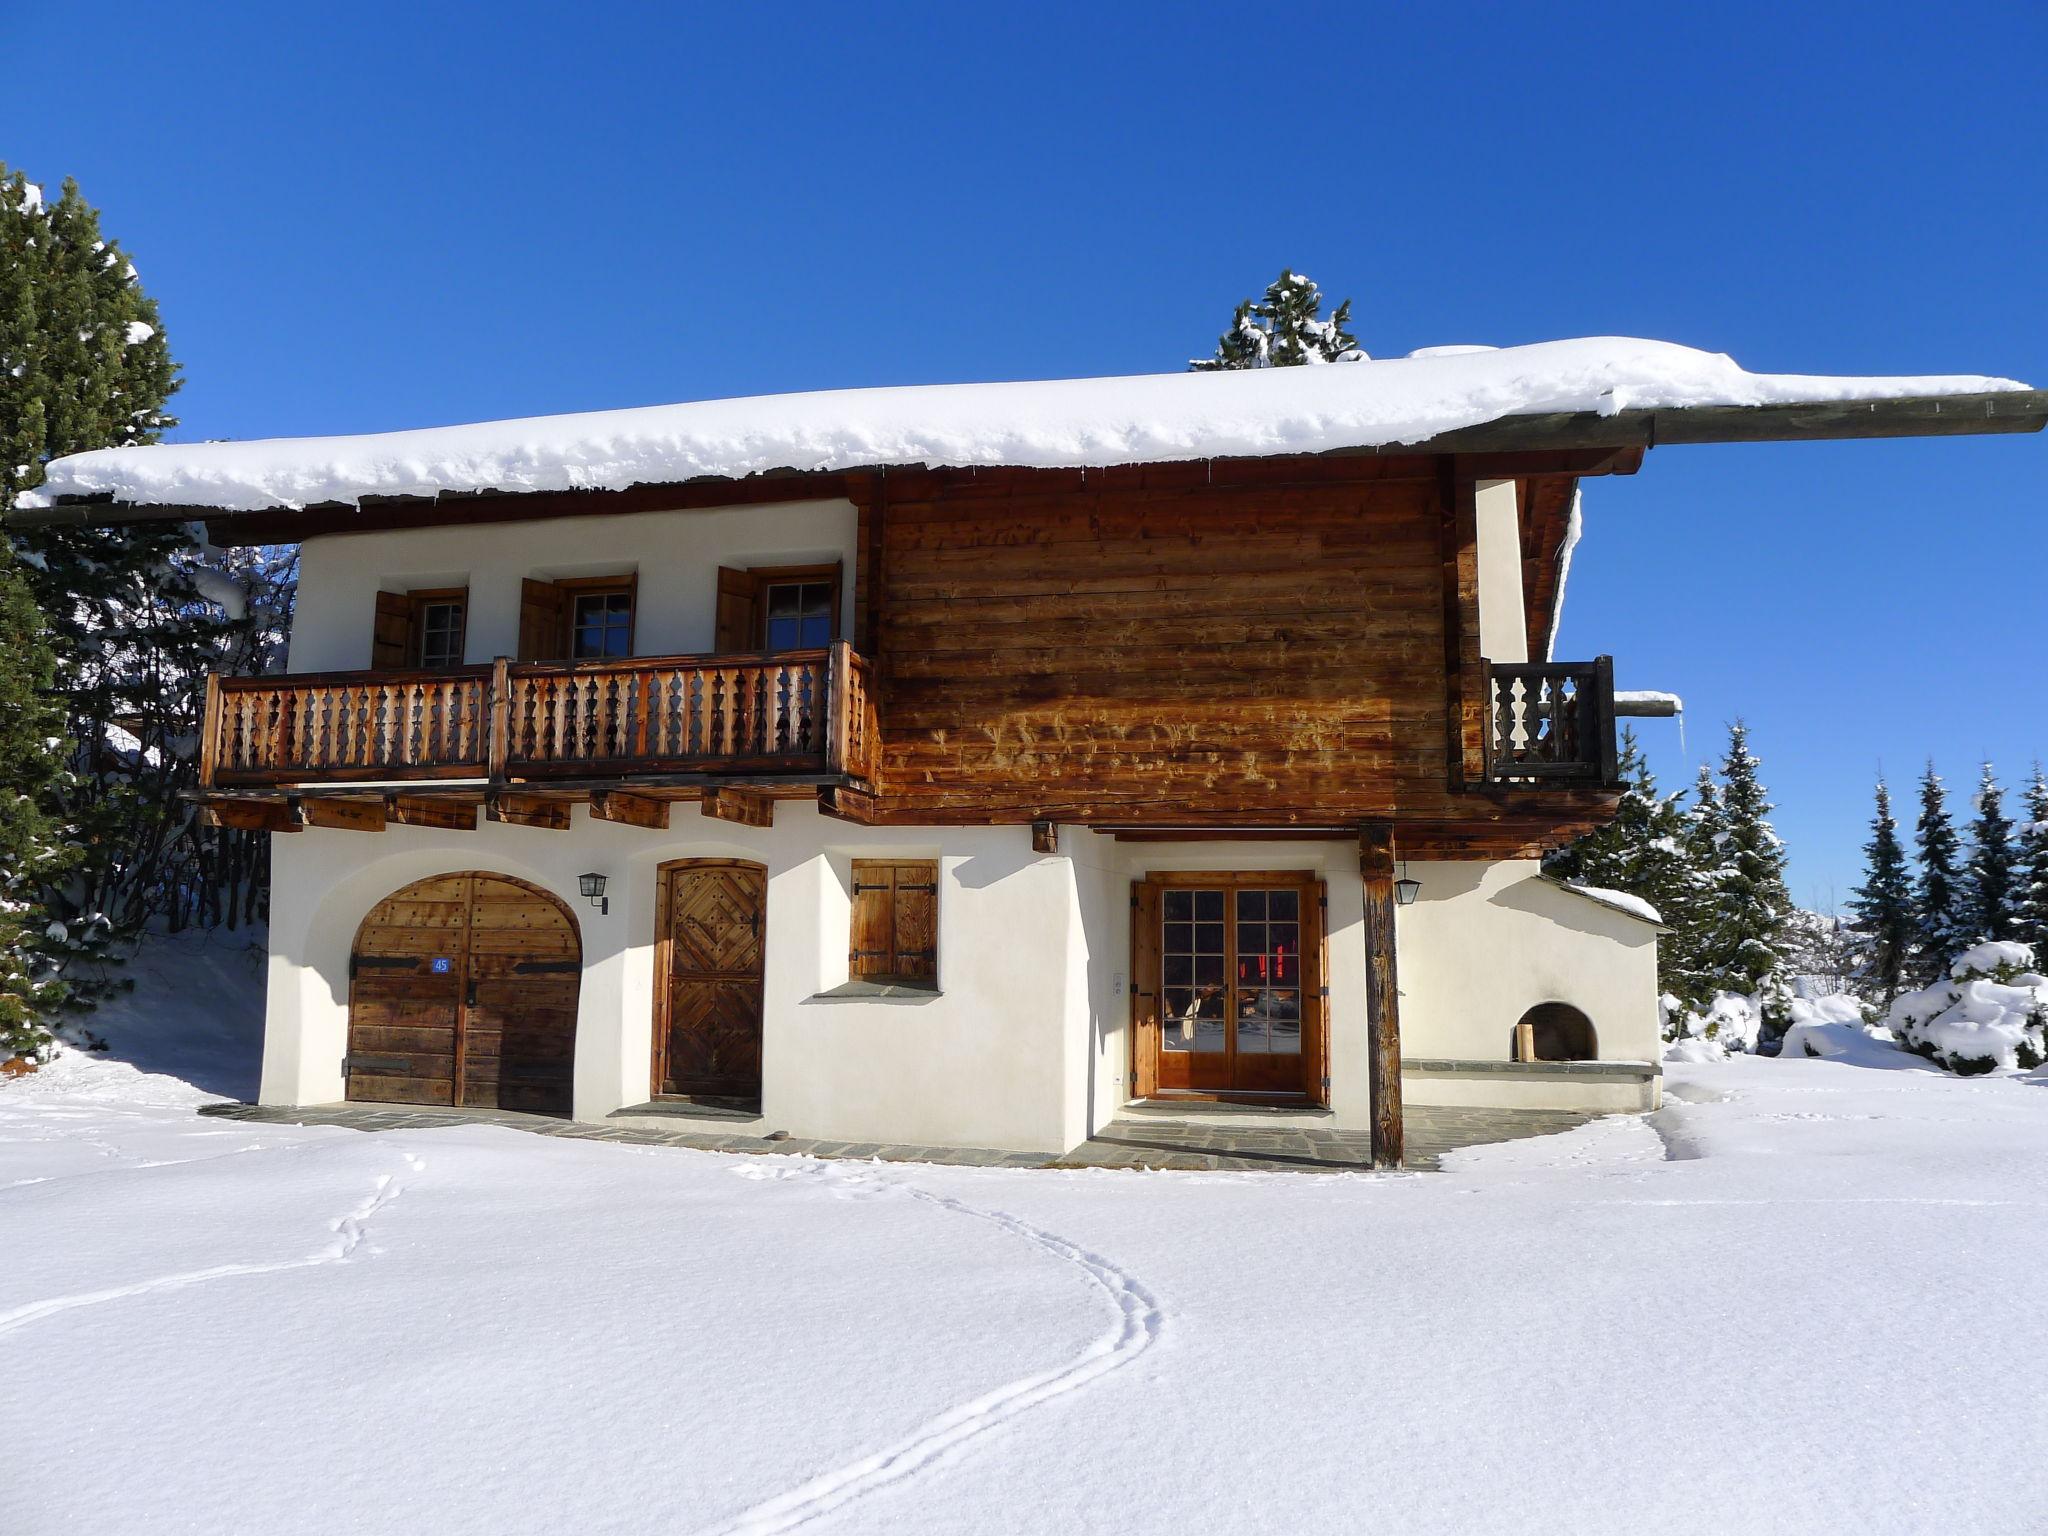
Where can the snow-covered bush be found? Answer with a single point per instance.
(1990, 1015)
(1832, 1027)
(1729, 1026)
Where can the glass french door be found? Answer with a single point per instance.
(1231, 1008)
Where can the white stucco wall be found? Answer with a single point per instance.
(990, 1061)
(1484, 943)
(676, 556)
(1503, 627)
(1027, 1043)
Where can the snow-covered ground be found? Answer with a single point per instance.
(1806, 1296)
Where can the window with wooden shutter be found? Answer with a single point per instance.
(426, 627)
(391, 643)
(543, 621)
(895, 921)
(777, 607)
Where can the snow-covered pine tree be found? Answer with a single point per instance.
(30, 853)
(1641, 851)
(83, 365)
(1883, 904)
(1749, 905)
(2030, 915)
(1283, 330)
(1992, 887)
(1941, 928)
(1704, 844)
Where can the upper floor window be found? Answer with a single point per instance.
(601, 624)
(777, 607)
(580, 618)
(798, 615)
(438, 624)
(427, 627)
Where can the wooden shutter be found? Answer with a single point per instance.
(739, 616)
(1144, 988)
(543, 621)
(391, 643)
(895, 921)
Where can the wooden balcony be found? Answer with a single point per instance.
(807, 715)
(1551, 724)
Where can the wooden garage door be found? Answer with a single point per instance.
(708, 953)
(463, 991)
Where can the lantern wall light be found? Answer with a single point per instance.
(592, 886)
(1405, 889)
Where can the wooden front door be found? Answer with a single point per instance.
(1227, 990)
(462, 991)
(709, 940)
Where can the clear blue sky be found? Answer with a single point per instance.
(372, 216)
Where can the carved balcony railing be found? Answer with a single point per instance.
(781, 712)
(1551, 723)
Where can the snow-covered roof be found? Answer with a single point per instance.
(1068, 423)
(1618, 901)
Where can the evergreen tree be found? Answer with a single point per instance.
(1748, 905)
(1883, 903)
(1993, 886)
(84, 365)
(1642, 853)
(1942, 930)
(2030, 909)
(1703, 845)
(1283, 330)
(29, 853)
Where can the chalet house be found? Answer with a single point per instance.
(958, 765)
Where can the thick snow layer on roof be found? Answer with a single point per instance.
(1621, 901)
(1062, 423)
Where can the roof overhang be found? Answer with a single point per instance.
(1614, 442)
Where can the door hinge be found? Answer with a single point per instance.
(1322, 991)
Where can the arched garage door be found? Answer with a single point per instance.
(462, 990)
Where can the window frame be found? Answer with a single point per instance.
(830, 575)
(423, 598)
(576, 588)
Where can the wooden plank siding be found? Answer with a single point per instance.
(1098, 649)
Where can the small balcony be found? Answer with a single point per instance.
(1551, 724)
(805, 715)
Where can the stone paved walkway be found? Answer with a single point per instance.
(1121, 1144)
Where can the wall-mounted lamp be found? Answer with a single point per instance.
(1405, 889)
(592, 887)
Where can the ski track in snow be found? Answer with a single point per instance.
(1138, 1325)
(349, 1230)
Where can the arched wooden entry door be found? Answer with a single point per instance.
(708, 947)
(462, 990)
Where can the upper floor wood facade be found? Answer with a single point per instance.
(1271, 644)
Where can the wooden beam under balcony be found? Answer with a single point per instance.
(629, 809)
(431, 811)
(521, 810)
(842, 802)
(739, 806)
(343, 815)
(251, 815)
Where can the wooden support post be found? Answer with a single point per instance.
(251, 815)
(1465, 704)
(846, 804)
(501, 719)
(737, 805)
(426, 811)
(209, 733)
(1045, 838)
(343, 815)
(1382, 992)
(629, 809)
(520, 810)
